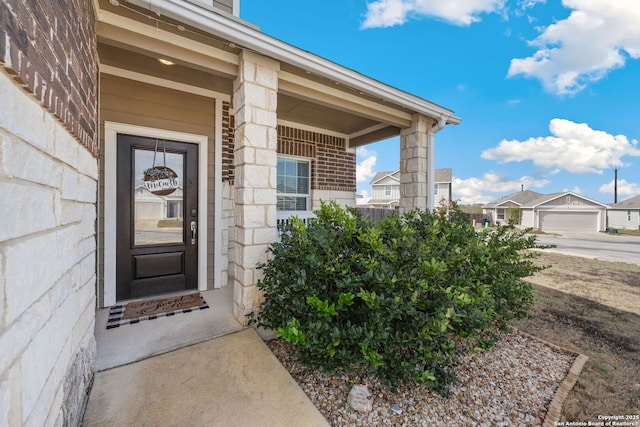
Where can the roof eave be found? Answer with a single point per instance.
(251, 38)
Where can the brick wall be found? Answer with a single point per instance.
(333, 167)
(227, 143)
(50, 49)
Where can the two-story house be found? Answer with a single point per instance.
(385, 188)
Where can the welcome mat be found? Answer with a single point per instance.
(137, 311)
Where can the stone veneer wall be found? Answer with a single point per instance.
(333, 171)
(48, 182)
(47, 265)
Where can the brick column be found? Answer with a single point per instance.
(414, 164)
(255, 152)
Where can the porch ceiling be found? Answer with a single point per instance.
(128, 42)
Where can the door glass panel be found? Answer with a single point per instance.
(158, 197)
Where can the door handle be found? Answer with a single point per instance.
(194, 232)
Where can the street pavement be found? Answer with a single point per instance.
(610, 247)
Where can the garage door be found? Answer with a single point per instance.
(569, 221)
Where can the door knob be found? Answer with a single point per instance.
(194, 232)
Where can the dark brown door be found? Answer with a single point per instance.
(156, 217)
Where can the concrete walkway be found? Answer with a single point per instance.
(229, 381)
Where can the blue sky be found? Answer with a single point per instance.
(548, 90)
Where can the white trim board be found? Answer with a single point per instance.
(111, 131)
(157, 81)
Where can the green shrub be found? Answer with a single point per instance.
(402, 298)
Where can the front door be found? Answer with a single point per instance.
(156, 217)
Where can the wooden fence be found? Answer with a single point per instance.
(375, 214)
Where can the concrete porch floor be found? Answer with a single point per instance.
(197, 369)
(131, 343)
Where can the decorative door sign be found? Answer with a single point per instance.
(160, 180)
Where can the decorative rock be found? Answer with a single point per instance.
(513, 365)
(360, 398)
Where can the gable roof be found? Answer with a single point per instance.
(520, 198)
(440, 175)
(630, 203)
(553, 196)
(532, 199)
(381, 175)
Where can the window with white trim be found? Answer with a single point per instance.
(500, 214)
(628, 215)
(387, 190)
(293, 182)
(436, 189)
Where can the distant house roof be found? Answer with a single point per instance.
(630, 203)
(548, 197)
(531, 199)
(520, 198)
(381, 175)
(440, 175)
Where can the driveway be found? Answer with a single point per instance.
(610, 247)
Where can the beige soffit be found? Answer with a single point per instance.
(249, 37)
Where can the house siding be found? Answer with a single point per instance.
(48, 172)
(224, 5)
(618, 218)
(137, 103)
(443, 195)
(378, 189)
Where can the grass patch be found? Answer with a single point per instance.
(610, 381)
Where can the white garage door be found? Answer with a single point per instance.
(569, 221)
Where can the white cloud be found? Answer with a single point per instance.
(596, 38)
(363, 198)
(625, 188)
(575, 189)
(573, 147)
(365, 164)
(388, 13)
(528, 4)
(491, 186)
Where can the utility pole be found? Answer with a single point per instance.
(615, 185)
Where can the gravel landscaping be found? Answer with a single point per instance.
(511, 384)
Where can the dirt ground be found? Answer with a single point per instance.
(592, 307)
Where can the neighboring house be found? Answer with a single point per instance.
(385, 189)
(566, 211)
(263, 130)
(624, 214)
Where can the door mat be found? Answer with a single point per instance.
(137, 311)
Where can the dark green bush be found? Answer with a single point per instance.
(402, 298)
